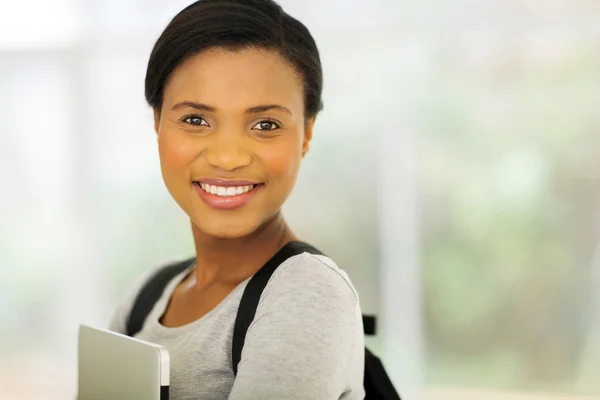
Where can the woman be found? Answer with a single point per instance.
(235, 87)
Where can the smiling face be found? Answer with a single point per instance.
(231, 133)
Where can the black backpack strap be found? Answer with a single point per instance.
(151, 292)
(253, 291)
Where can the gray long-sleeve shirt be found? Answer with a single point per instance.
(306, 341)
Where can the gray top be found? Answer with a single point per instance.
(306, 341)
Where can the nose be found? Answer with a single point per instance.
(228, 153)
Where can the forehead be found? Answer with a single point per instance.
(235, 79)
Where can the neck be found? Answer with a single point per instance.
(231, 261)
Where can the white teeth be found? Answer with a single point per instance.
(225, 191)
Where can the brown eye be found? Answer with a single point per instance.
(195, 120)
(266, 126)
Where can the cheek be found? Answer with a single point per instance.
(175, 151)
(282, 161)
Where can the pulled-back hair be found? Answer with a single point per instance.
(235, 25)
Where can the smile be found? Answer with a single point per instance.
(226, 195)
(225, 191)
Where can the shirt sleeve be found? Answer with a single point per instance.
(301, 344)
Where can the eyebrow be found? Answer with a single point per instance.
(251, 110)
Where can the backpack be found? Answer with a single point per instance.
(377, 384)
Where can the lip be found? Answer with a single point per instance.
(226, 182)
(229, 202)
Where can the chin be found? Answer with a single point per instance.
(223, 230)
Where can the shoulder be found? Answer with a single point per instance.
(121, 314)
(312, 275)
(311, 292)
(118, 322)
(307, 328)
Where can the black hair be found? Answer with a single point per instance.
(235, 25)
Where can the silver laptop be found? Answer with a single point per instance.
(118, 367)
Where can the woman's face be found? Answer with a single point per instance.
(231, 133)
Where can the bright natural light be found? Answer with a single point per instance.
(453, 174)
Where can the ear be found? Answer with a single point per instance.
(156, 120)
(308, 131)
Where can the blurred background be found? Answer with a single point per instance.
(454, 174)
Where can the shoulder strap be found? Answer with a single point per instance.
(151, 292)
(253, 291)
